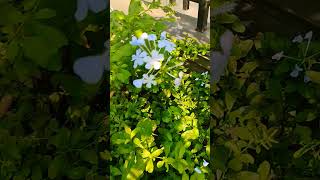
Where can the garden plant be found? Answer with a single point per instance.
(159, 111)
(264, 108)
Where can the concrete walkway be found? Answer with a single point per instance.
(186, 19)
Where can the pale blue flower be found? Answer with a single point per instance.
(84, 5)
(197, 170)
(149, 80)
(91, 68)
(295, 71)
(163, 35)
(138, 83)
(169, 46)
(205, 163)
(136, 41)
(139, 58)
(152, 37)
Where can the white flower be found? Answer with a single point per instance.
(163, 35)
(202, 84)
(149, 80)
(197, 170)
(297, 39)
(295, 71)
(139, 58)
(177, 81)
(154, 61)
(204, 73)
(169, 46)
(306, 79)
(152, 37)
(144, 36)
(136, 42)
(205, 163)
(138, 83)
(197, 79)
(278, 56)
(308, 35)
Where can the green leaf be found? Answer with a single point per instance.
(156, 153)
(314, 76)
(242, 133)
(36, 48)
(247, 158)
(238, 27)
(77, 173)
(89, 156)
(235, 164)
(227, 18)
(115, 171)
(185, 176)
(263, 170)
(249, 67)
(149, 167)
(45, 14)
(230, 99)
(10, 15)
(13, 50)
(135, 7)
(56, 166)
(160, 164)
(217, 109)
(247, 175)
(190, 134)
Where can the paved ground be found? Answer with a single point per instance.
(186, 23)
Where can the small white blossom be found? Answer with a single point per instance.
(154, 61)
(278, 56)
(144, 36)
(204, 73)
(197, 170)
(177, 81)
(308, 35)
(295, 71)
(306, 79)
(205, 163)
(297, 39)
(149, 80)
(197, 79)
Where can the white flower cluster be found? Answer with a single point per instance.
(197, 169)
(150, 54)
(297, 69)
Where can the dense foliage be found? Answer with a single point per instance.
(50, 121)
(265, 118)
(158, 124)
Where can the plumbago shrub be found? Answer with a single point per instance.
(265, 116)
(50, 121)
(158, 111)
